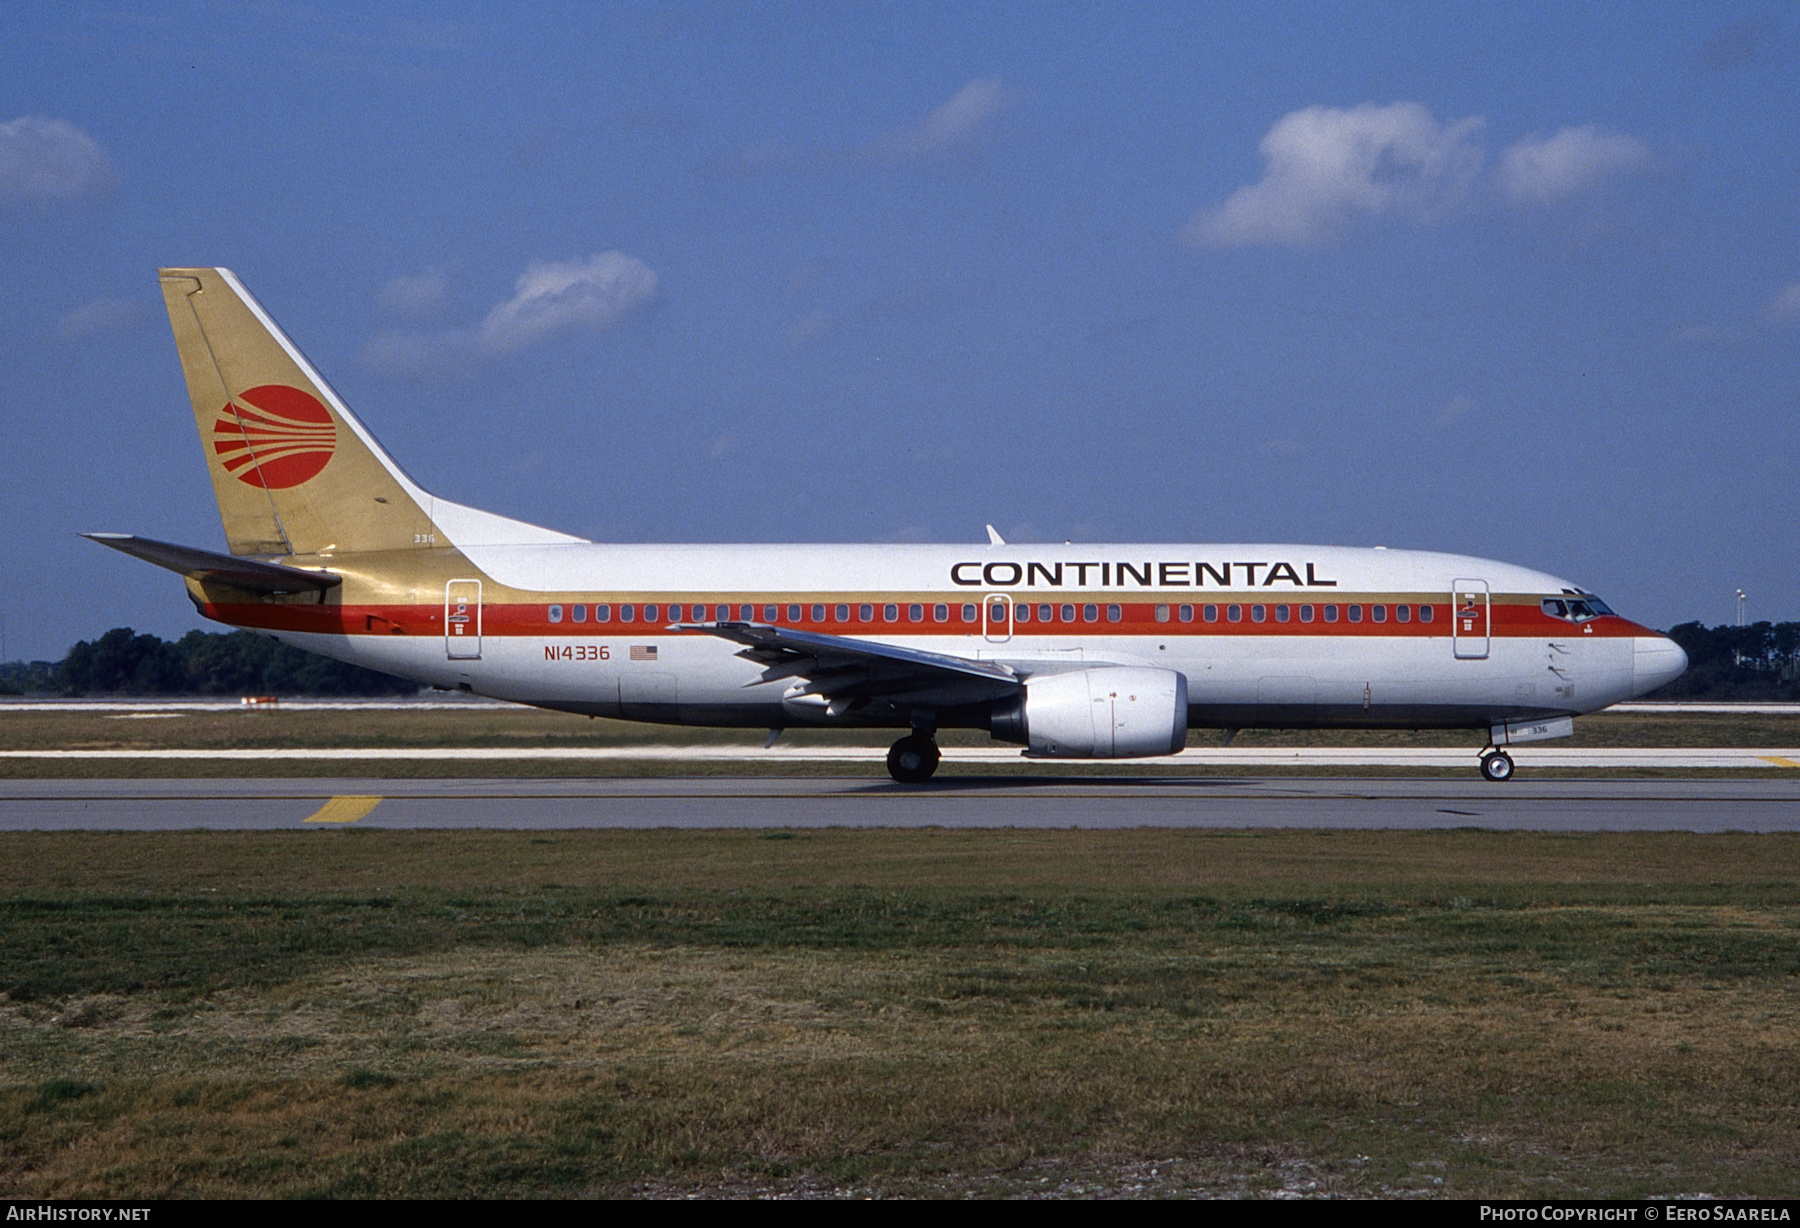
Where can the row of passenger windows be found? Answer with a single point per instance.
(971, 613)
(769, 613)
(1305, 613)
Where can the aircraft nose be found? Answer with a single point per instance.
(1656, 659)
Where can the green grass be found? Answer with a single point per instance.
(375, 1013)
(490, 727)
(521, 727)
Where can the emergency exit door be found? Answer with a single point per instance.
(1470, 608)
(462, 620)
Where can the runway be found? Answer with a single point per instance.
(1759, 805)
(1759, 759)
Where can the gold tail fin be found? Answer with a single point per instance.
(294, 471)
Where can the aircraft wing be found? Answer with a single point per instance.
(844, 670)
(251, 574)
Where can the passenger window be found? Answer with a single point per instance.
(578, 613)
(1114, 613)
(997, 614)
(1021, 613)
(1258, 613)
(1185, 613)
(1425, 614)
(1378, 613)
(1306, 613)
(969, 614)
(771, 613)
(1402, 613)
(916, 613)
(746, 613)
(890, 613)
(602, 613)
(674, 613)
(843, 613)
(1090, 613)
(555, 613)
(818, 614)
(1046, 613)
(1162, 613)
(1330, 613)
(793, 613)
(627, 613)
(868, 613)
(940, 613)
(1068, 613)
(1281, 613)
(1234, 613)
(1353, 613)
(1210, 613)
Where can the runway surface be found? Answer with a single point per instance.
(1760, 805)
(1552, 757)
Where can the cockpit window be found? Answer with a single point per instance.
(1575, 609)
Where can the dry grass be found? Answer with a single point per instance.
(490, 727)
(840, 1012)
(487, 727)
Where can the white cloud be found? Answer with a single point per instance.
(49, 159)
(1704, 334)
(1540, 170)
(812, 327)
(1455, 410)
(549, 298)
(103, 315)
(1327, 166)
(956, 127)
(951, 128)
(415, 294)
(420, 353)
(1784, 308)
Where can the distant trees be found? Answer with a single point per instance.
(211, 663)
(23, 677)
(1761, 661)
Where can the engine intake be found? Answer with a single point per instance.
(1114, 712)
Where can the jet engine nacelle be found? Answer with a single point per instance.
(1113, 712)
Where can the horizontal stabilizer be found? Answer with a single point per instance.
(243, 573)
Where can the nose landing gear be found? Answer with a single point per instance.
(913, 759)
(1497, 765)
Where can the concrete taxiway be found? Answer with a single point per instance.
(1754, 805)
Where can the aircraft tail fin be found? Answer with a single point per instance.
(295, 472)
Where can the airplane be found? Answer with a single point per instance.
(1070, 651)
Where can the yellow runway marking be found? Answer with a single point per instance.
(344, 810)
(1778, 761)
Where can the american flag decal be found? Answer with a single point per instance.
(643, 652)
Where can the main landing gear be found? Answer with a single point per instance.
(913, 759)
(1496, 765)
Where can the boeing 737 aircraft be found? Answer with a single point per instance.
(1071, 651)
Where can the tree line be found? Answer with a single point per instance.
(1757, 662)
(122, 662)
(1760, 661)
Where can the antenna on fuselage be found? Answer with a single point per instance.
(994, 538)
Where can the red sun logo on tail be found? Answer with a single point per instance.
(274, 436)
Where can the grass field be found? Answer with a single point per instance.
(841, 1012)
(488, 727)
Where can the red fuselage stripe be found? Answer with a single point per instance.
(1135, 619)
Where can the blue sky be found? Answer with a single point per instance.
(1522, 282)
